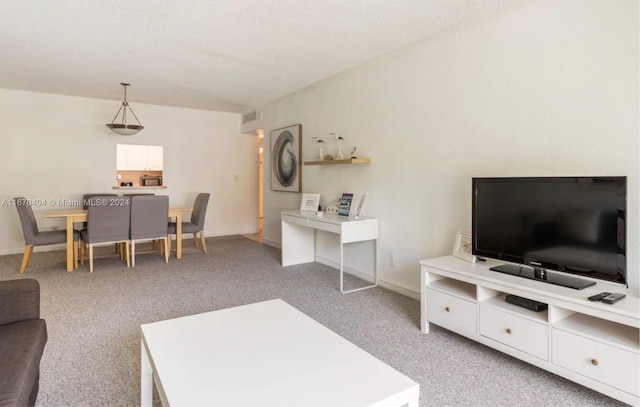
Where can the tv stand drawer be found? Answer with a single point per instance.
(520, 333)
(607, 364)
(451, 312)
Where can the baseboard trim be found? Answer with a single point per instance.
(20, 250)
(407, 292)
(272, 243)
(347, 270)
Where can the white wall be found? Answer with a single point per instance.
(57, 147)
(541, 88)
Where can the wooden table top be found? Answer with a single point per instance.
(75, 212)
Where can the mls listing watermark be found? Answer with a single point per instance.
(64, 203)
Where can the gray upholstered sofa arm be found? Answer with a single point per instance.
(23, 336)
(20, 300)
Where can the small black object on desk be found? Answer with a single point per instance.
(612, 298)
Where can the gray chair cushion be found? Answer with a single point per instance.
(107, 220)
(85, 203)
(52, 237)
(27, 219)
(197, 216)
(200, 210)
(149, 217)
(32, 236)
(187, 227)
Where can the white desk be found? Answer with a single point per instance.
(266, 354)
(298, 238)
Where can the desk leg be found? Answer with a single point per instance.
(298, 244)
(146, 378)
(341, 267)
(375, 262)
(69, 243)
(375, 269)
(179, 235)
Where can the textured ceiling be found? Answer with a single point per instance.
(225, 55)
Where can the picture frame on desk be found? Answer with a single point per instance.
(462, 247)
(310, 202)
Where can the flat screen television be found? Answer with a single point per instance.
(573, 225)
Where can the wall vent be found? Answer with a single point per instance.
(247, 117)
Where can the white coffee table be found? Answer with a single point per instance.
(263, 354)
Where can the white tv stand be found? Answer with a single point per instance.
(591, 343)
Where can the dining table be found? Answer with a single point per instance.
(80, 215)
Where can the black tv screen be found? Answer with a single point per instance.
(569, 224)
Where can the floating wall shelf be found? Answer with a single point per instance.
(334, 162)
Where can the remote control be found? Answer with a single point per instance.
(598, 297)
(613, 298)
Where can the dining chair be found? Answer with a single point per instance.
(138, 194)
(34, 237)
(148, 222)
(85, 204)
(106, 223)
(196, 225)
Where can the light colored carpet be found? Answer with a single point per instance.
(92, 357)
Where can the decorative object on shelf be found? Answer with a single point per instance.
(286, 150)
(319, 141)
(123, 128)
(340, 139)
(462, 247)
(328, 157)
(352, 154)
(310, 202)
(345, 204)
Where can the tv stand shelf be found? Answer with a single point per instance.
(594, 344)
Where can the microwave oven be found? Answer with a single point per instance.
(151, 181)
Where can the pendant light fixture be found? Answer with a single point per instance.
(123, 128)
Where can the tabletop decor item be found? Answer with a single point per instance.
(319, 141)
(310, 202)
(462, 247)
(286, 151)
(345, 204)
(357, 214)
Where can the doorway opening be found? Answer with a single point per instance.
(258, 236)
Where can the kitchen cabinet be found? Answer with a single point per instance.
(131, 157)
(154, 158)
